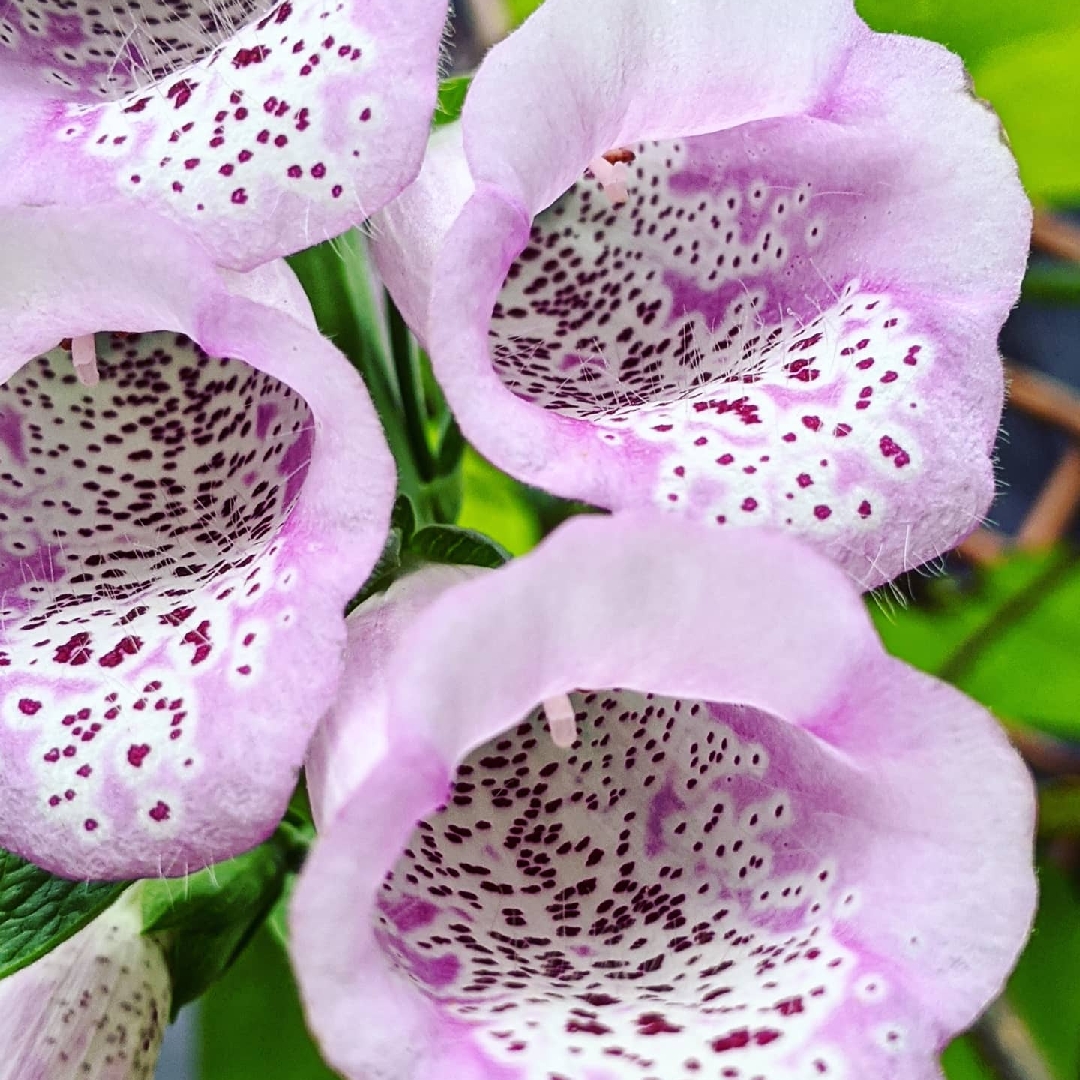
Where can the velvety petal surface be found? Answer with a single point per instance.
(791, 319)
(177, 544)
(407, 234)
(96, 1006)
(262, 127)
(755, 861)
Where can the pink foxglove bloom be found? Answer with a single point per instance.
(756, 859)
(95, 1007)
(261, 127)
(184, 513)
(746, 263)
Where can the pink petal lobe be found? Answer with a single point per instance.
(789, 320)
(176, 548)
(262, 129)
(757, 857)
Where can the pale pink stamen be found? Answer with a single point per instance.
(612, 177)
(84, 359)
(561, 721)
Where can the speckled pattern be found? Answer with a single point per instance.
(107, 49)
(145, 562)
(96, 1007)
(689, 324)
(264, 127)
(660, 901)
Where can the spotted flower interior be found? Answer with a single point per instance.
(147, 559)
(715, 327)
(671, 897)
(96, 1006)
(219, 115)
(104, 51)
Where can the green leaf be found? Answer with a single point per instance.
(451, 99)
(1038, 989)
(403, 518)
(252, 1025)
(1052, 284)
(520, 10)
(383, 573)
(961, 1062)
(1035, 87)
(1020, 617)
(497, 505)
(207, 919)
(458, 547)
(975, 29)
(338, 282)
(39, 911)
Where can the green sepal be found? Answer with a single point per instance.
(205, 921)
(39, 911)
(456, 546)
(451, 100)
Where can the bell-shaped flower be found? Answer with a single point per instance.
(745, 263)
(184, 512)
(261, 127)
(95, 1008)
(737, 840)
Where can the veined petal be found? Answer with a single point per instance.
(790, 316)
(261, 127)
(177, 545)
(755, 860)
(96, 1006)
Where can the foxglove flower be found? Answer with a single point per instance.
(747, 265)
(96, 1006)
(756, 859)
(183, 515)
(261, 126)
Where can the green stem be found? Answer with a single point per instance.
(333, 278)
(960, 663)
(412, 401)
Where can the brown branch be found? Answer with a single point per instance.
(1054, 509)
(1004, 1042)
(984, 547)
(1055, 235)
(1044, 398)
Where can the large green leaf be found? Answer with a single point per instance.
(973, 28)
(1009, 637)
(1042, 990)
(1035, 86)
(207, 919)
(1025, 59)
(252, 1025)
(494, 504)
(39, 911)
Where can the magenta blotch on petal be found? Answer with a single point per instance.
(95, 1007)
(262, 127)
(724, 265)
(755, 861)
(176, 549)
